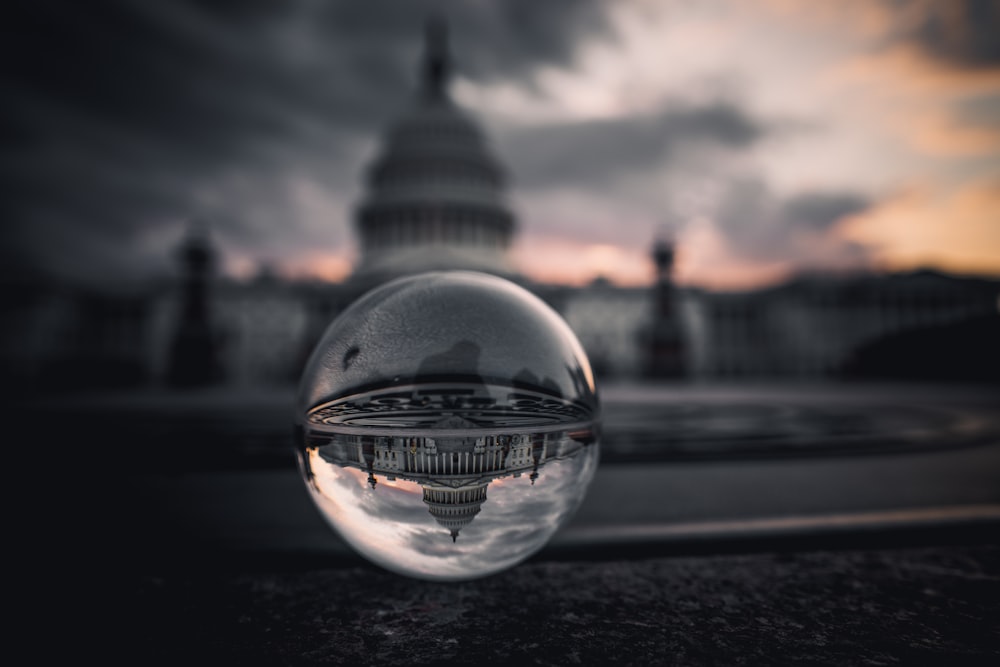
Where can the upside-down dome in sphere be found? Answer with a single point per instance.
(448, 424)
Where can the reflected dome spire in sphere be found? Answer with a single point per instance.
(448, 424)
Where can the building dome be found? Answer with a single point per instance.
(454, 508)
(435, 193)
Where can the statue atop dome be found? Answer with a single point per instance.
(437, 60)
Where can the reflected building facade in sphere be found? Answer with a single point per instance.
(453, 472)
(443, 507)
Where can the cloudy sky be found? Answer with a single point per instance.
(391, 525)
(765, 137)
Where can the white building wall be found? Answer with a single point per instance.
(608, 321)
(263, 330)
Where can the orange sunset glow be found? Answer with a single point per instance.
(845, 101)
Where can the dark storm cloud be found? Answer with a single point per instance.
(589, 152)
(491, 40)
(961, 32)
(759, 225)
(122, 118)
(187, 69)
(819, 210)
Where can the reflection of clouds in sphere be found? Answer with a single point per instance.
(342, 493)
(448, 424)
(391, 525)
(520, 518)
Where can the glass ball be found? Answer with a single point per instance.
(447, 425)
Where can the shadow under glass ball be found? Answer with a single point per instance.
(447, 425)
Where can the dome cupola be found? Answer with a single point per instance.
(454, 508)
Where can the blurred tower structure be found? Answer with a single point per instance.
(194, 354)
(663, 339)
(435, 193)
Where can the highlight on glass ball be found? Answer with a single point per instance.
(448, 425)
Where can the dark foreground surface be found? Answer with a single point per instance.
(746, 525)
(875, 606)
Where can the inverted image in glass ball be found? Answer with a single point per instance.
(448, 425)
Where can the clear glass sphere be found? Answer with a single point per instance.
(448, 425)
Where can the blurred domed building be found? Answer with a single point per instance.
(435, 194)
(434, 198)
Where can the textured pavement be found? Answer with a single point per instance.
(885, 606)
